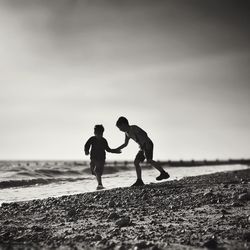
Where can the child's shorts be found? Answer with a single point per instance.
(97, 167)
(146, 152)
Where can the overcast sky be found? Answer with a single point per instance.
(179, 69)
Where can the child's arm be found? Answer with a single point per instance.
(87, 146)
(115, 151)
(108, 149)
(125, 144)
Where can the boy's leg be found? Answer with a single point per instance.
(138, 159)
(137, 169)
(155, 165)
(99, 171)
(163, 174)
(92, 167)
(149, 156)
(99, 179)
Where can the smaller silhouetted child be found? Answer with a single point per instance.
(98, 146)
(146, 149)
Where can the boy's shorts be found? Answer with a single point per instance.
(97, 167)
(146, 152)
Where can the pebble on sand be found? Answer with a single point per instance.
(123, 222)
(244, 197)
(211, 244)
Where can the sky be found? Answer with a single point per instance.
(178, 69)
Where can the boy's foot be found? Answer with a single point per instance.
(99, 187)
(162, 176)
(138, 183)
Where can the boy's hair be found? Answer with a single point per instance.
(99, 128)
(122, 120)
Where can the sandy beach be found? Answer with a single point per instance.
(211, 211)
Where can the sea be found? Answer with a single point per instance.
(29, 180)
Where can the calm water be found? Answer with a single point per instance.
(21, 181)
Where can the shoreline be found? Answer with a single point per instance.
(57, 185)
(191, 213)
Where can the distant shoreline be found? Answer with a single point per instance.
(170, 163)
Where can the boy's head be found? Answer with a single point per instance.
(98, 130)
(123, 124)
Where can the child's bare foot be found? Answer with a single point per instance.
(162, 176)
(139, 182)
(99, 187)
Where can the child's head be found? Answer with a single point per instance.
(123, 124)
(98, 130)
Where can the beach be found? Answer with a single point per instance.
(211, 211)
(29, 180)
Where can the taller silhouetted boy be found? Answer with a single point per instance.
(146, 149)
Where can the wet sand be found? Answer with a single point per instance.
(211, 211)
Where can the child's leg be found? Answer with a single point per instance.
(148, 150)
(92, 167)
(163, 175)
(99, 170)
(99, 179)
(138, 159)
(138, 169)
(149, 155)
(156, 165)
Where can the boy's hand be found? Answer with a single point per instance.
(86, 153)
(117, 151)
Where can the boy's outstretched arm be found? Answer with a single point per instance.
(125, 144)
(87, 146)
(115, 151)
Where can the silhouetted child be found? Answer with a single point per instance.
(146, 149)
(98, 146)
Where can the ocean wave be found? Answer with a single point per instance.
(38, 181)
(25, 173)
(109, 169)
(56, 172)
(31, 176)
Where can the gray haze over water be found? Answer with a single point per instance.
(179, 69)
